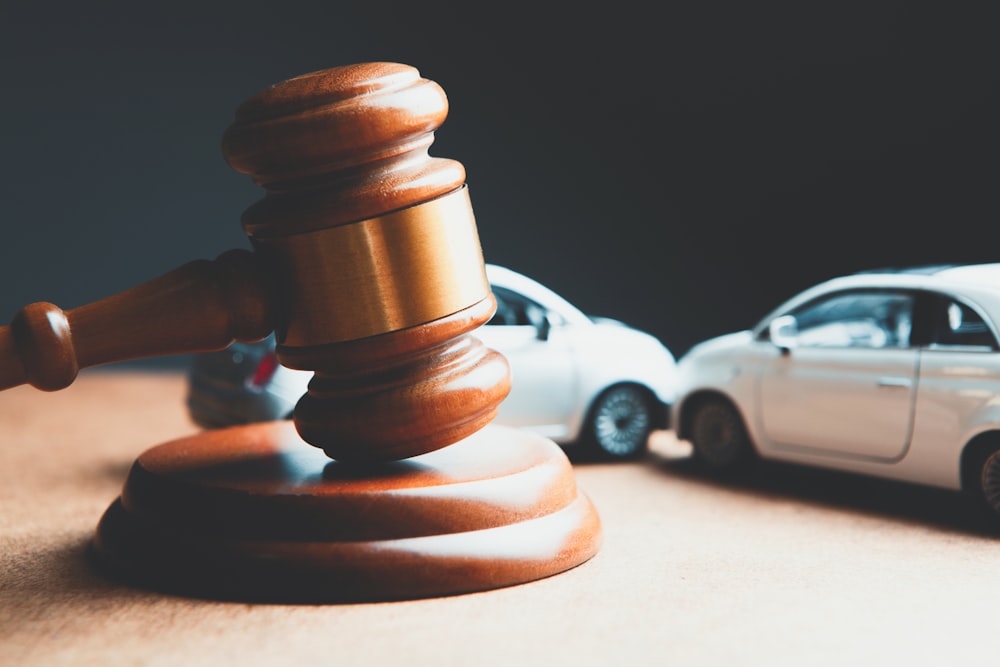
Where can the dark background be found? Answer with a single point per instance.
(682, 167)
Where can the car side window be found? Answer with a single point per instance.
(957, 325)
(862, 319)
(514, 309)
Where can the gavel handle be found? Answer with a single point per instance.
(202, 305)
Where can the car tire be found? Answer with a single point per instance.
(988, 476)
(718, 435)
(619, 423)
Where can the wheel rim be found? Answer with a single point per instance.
(621, 422)
(991, 481)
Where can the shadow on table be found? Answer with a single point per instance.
(929, 506)
(55, 569)
(35, 581)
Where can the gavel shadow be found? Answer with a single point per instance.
(50, 569)
(941, 509)
(58, 575)
(48, 572)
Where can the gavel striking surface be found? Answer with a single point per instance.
(253, 513)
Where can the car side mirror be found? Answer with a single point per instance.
(783, 332)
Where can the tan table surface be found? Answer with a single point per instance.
(786, 567)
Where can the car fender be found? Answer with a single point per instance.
(610, 354)
(984, 431)
(727, 366)
(956, 405)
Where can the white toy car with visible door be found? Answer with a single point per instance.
(891, 373)
(589, 382)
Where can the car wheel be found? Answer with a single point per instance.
(718, 435)
(620, 423)
(989, 480)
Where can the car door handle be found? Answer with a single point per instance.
(898, 383)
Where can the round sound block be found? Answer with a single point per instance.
(253, 513)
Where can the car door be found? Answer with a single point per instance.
(543, 372)
(844, 381)
(959, 367)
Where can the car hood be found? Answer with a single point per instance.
(719, 345)
(616, 332)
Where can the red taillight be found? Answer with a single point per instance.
(265, 371)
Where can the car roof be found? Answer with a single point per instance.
(978, 282)
(987, 272)
(985, 276)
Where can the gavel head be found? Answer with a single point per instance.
(376, 256)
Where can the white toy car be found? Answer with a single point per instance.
(888, 373)
(578, 380)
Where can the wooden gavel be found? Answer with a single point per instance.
(366, 263)
(367, 266)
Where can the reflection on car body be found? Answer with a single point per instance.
(592, 382)
(887, 373)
